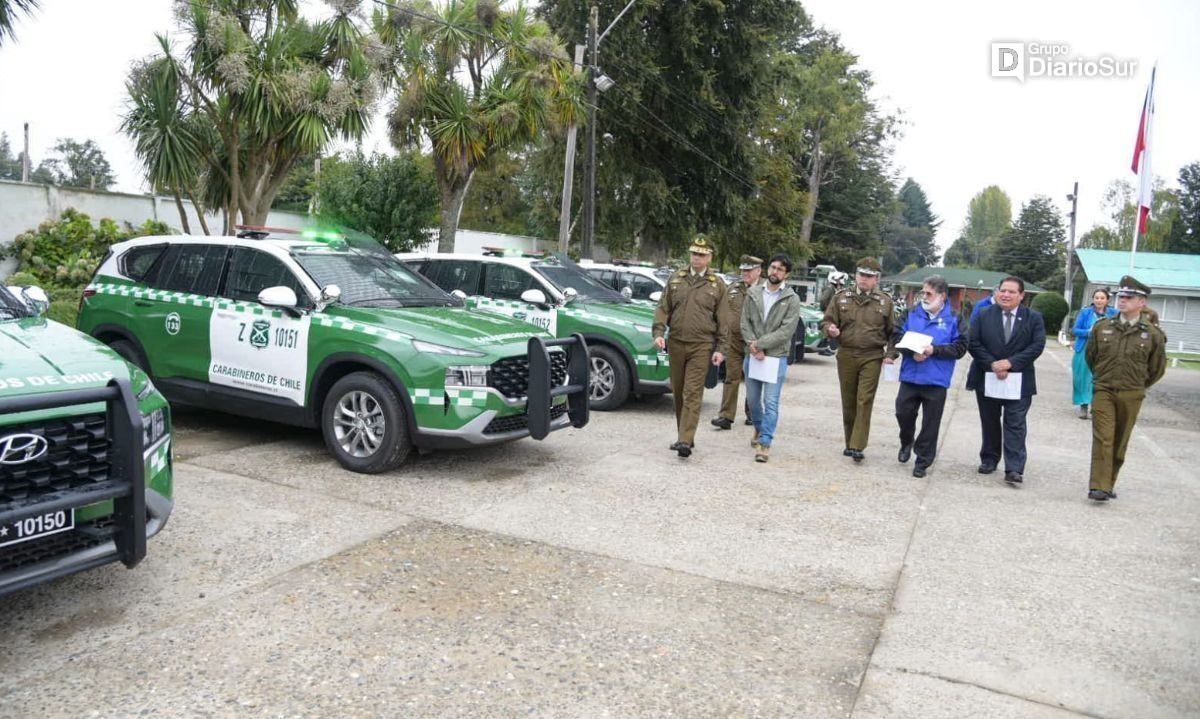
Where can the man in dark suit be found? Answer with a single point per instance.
(1006, 338)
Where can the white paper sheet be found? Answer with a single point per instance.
(765, 369)
(1008, 388)
(891, 372)
(915, 341)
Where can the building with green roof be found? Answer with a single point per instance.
(1174, 282)
(965, 284)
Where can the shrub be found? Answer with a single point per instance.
(66, 252)
(1053, 307)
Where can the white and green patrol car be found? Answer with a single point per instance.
(326, 331)
(557, 295)
(85, 450)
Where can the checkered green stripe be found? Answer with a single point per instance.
(147, 293)
(485, 302)
(651, 360)
(344, 324)
(590, 317)
(159, 457)
(459, 397)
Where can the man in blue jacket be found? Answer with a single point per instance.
(925, 376)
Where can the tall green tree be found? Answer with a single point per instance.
(678, 148)
(1185, 232)
(474, 79)
(273, 86)
(909, 234)
(10, 165)
(1117, 233)
(80, 164)
(497, 201)
(989, 215)
(393, 199)
(1033, 248)
(10, 10)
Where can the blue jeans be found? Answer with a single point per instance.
(764, 401)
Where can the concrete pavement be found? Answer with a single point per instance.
(597, 575)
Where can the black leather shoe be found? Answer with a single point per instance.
(1098, 494)
(918, 471)
(1111, 495)
(856, 455)
(684, 449)
(722, 423)
(905, 453)
(847, 452)
(987, 468)
(1013, 477)
(749, 422)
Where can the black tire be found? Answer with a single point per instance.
(131, 354)
(348, 440)
(608, 379)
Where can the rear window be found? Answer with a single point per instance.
(137, 263)
(194, 269)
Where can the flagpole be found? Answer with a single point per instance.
(1142, 166)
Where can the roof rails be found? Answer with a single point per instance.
(631, 263)
(511, 252)
(260, 232)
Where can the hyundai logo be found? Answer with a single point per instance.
(22, 448)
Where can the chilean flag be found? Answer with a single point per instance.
(1141, 158)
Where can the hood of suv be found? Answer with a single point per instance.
(37, 355)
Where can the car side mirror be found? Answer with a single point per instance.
(656, 295)
(534, 296)
(459, 294)
(569, 294)
(282, 297)
(330, 294)
(627, 292)
(34, 297)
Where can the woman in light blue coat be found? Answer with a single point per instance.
(1081, 373)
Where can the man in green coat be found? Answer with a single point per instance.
(1127, 354)
(769, 320)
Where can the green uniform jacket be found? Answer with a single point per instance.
(772, 334)
(735, 298)
(866, 320)
(1126, 357)
(694, 309)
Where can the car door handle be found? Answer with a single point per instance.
(142, 303)
(519, 315)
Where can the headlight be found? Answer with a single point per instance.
(146, 390)
(467, 376)
(431, 348)
(642, 328)
(154, 426)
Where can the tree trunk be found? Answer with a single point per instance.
(183, 221)
(453, 193)
(814, 191)
(199, 213)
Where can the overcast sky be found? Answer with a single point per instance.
(964, 129)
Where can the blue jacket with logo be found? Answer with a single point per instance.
(950, 338)
(1083, 325)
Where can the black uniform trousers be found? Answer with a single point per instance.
(930, 400)
(1003, 425)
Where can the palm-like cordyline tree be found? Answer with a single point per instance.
(473, 79)
(9, 11)
(272, 86)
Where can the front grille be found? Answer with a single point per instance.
(514, 422)
(85, 536)
(77, 457)
(511, 375)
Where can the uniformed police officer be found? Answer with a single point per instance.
(692, 309)
(1127, 354)
(735, 295)
(861, 318)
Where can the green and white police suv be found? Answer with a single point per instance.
(322, 330)
(85, 449)
(556, 295)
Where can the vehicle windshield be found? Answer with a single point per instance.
(563, 273)
(369, 278)
(11, 307)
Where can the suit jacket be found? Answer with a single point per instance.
(987, 345)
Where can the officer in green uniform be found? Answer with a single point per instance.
(692, 310)
(1127, 354)
(735, 295)
(861, 318)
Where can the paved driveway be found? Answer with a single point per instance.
(597, 575)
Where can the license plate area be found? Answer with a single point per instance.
(42, 525)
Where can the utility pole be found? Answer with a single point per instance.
(25, 158)
(564, 215)
(1074, 198)
(589, 162)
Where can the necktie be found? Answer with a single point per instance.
(1008, 326)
